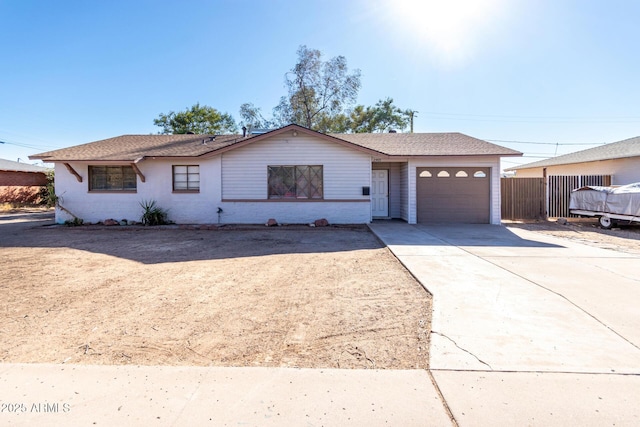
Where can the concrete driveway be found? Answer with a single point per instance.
(527, 329)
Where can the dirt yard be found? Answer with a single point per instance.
(287, 296)
(587, 231)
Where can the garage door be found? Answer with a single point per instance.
(453, 195)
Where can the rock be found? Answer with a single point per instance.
(562, 221)
(271, 223)
(321, 222)
(111, 222)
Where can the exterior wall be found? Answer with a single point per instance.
(404, 191)
(16, 178)
(243, 183)
(395, 192)
(295, 212)
(480, 161)
(622, 171)
(345, 172)
(185, 208)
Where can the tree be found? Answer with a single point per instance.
(198, 119)
(252, 117)
(382, 117)
(318, 91)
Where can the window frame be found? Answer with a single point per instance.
(305, 176)
(108, 188)
(187, 173)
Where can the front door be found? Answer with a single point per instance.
(380, 193)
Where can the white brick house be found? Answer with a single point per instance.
(292, 174)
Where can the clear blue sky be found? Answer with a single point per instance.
(553, 72)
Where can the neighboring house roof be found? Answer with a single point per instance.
(616, 150)
(11, 166)
(137, 147)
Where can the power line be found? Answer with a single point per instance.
(533, 119)
(544, 143)
(34, 147)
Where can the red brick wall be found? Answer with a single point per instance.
(12, 179)
(21, 195)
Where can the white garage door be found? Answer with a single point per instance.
(453, 195)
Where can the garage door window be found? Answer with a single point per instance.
(479, 174)
(425, 174)
(461, 174)
(443, 174)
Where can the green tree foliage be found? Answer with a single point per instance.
(382, 117)
(252, 117)
(318, 91)
(197, 119)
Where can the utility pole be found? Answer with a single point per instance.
(411, 114)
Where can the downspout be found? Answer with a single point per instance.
(546, 193)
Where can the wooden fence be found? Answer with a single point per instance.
(533, 198)
(522, 198)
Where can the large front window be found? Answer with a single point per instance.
(112, 178)
(295, 182)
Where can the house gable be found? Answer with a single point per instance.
(244, 169)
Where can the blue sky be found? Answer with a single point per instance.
(545, 77)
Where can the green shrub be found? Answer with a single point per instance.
(48, 192)
(152, 214)
(75, 222)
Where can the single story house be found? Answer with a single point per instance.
(20, 183)
(620, 159)
(291, 174)
(18, 174)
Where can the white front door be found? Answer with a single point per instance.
(380, 193)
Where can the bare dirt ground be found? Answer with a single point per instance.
(625, 238)
(288, 296)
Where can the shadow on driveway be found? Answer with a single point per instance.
(403, 234)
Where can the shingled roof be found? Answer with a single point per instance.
(137, 147)
(616, 150)
(11, 166)
(426, 144)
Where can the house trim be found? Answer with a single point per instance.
(293, 200)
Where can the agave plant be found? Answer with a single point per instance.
(152, 214)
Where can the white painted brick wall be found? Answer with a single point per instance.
(183, 207)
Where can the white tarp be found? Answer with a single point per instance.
(623, 200)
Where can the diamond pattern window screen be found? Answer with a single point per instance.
(295, 182)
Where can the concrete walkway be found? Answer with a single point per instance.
(80, 395)
(527, 330)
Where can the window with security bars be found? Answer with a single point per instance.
(186, 178)
(112, 178)
(295, 182)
